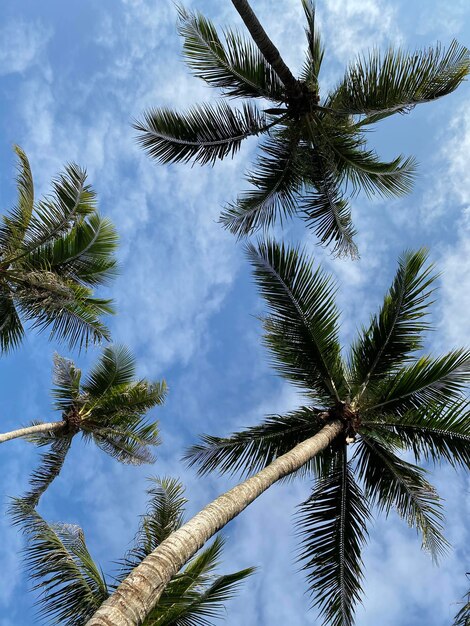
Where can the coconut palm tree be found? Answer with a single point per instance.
(52, 254)
(362, 414)
(108, 408)
(72, 586)
(463, 616)
(314, 150)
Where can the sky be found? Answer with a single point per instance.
(73, 77)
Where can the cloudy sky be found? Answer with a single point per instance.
(73, 76)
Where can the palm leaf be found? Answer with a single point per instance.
(48, 470)
(66, 379)
(397, 331)
(115, 367)
(237, 67)
(71, 586)
(302, 329)
(380, 85)
(315, 49)
(277, 180)
(463, 616)
(252, 449)
(391, 482)
(128, 444)
(203, 134)
(427, 380)
(333, 525)
(433, 433)
(11, 328)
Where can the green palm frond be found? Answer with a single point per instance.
(115, 367)
(326, 211)
(11, 328)
(391, 482)
(203, 134)
(70, 584)
(397, 330)
(434, 433)
(333, 525)
(380, 85)
(254, 448)
(15, 224)
(48, 470)
(84, 254)
(130, 443)
(277, 180)
(463, 616)
(302, 328)
(427, 380)
(315, 49)
(235, 66)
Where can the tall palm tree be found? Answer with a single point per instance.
(109, 408)
(361, 414)
(314, 152)
(72, 586)
(52, 254)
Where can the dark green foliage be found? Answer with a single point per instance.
(390, 400)
(52, 254)
(315, 152)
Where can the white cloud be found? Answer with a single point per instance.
(22, 45)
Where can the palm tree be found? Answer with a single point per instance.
(314, 150)
(108, 408)
(463, 616)
(72, 586)
(52, 254)
(381, 401)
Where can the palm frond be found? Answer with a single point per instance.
(277, 179)
(66, 380)
(302, 328)
(428, 380)
(434, 433)
(83, 254)
(252, 449)
(71, 201)
(11, 328)
(463, 616)
(115, 367)
(48, 470)
(332, 523)
(392, 482)
(380, 85)
(397, 330)
(130, 443)
(122, 402)
(64, 307)
(71, 586)
(235, 66)
(203, 134)
(315, 49)
(16, 222)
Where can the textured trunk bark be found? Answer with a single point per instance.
(31, 430)
(266, 46)
(139, 593)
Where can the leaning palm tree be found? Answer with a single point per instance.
(314, 150)
(72, 586)
(108, 408)
(52, 254)
(361, 414)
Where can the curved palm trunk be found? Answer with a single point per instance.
(141, 590)
(31, 430)
(265, 45)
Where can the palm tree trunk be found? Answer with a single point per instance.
(140, 591)
(266, 46)
(31, 430)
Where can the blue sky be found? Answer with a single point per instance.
(72, 77)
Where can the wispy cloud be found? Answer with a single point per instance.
(22, 45)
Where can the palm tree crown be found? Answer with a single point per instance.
(388, 399)
(109, 408)
(52, 254)
(314, 149)
(72, 586)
